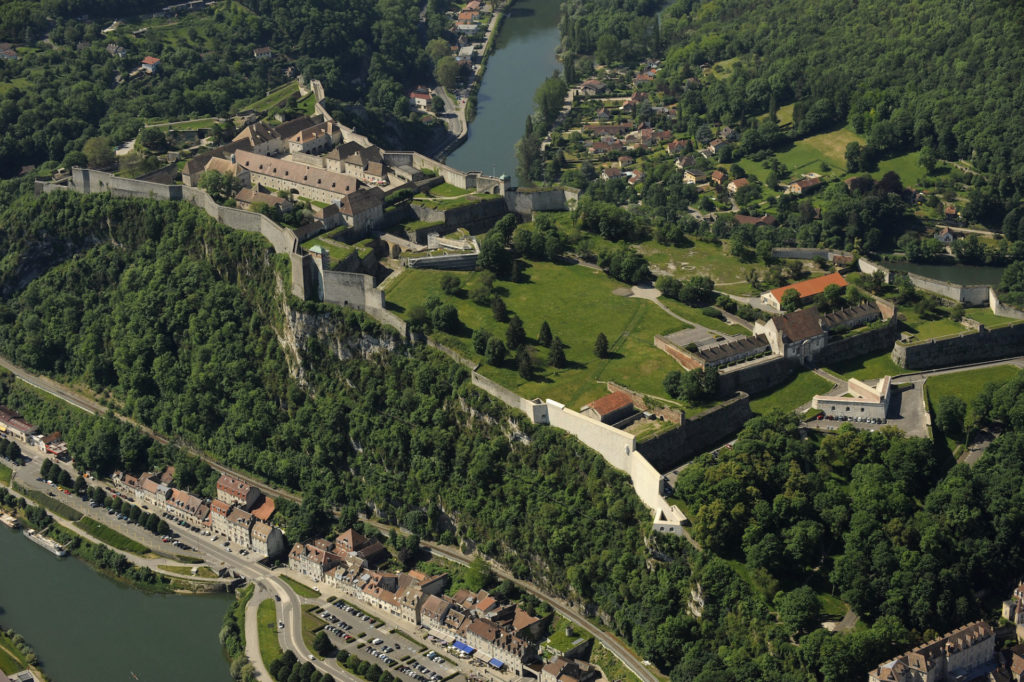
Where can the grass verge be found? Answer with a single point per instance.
(266, 624)
(5, 475)
(202, 572)
(111, 537)
(612, 667)
(48, 503)
(300, 589)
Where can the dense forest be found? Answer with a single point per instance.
(65, 88)
(176, 321)
(924, 75)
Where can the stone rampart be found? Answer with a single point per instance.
(970, 294)
(351, 289)
(1001, 309)
(864, 343)
(759, 376)
(831, 255)
(525, 203)
(614, 445)
(987, 344)
(673, 448)
(503, 394)
(454, 261)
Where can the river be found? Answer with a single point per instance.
(523, 57)
(958, 274)
(86, 628)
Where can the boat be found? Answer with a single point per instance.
(46, 543)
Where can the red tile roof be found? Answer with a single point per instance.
(265, 510)
(810, 287)
(611, 402)
(150, 60)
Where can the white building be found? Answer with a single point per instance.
(862, 401)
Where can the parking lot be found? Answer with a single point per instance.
(354, 631)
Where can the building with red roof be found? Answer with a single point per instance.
(806, 289)
(611, 408)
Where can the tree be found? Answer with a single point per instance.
(322, 644)
(152, 139)
(549, 98)
(556, 353)
(831, 297)
(854, 157)
(438, 48)
(495, 352)
(950, 412)
(544, 335)
(790, 300)
(515, 335)
(153, 524)
(498, 309)
(524, 365)
(601, 345)
(799, 608)
(479, 339)
(99, 152)
(446, 72)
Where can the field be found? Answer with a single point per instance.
(906, 166)
(447, 190)
(968, 384)
(577, 302)
(275, 97)
(300, 589)
(266, 622)
(202, 572)
(868, 367)
(337, 252)
(807, 153)
(794, 393)
(723, 69)
(987, 317)
(111, 537)
(49, 503)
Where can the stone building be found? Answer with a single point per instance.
(806, 289)
(312, 560)
(862, 402)
(797, 335)
(309, 182)
(266, 540)
(237, 492)
(962, 654)
(560, 669)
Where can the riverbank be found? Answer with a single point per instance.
(16, 655)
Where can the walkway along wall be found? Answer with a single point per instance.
(987, 344)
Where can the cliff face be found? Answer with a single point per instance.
(329, 331)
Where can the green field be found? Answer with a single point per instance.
(907, 166)
(275, 97)
(808, 153)
(266, 623)
(447, 190)
(111, 537)
(987, 317)
(968, 384)
(338, 252)
(867, 367)
(577, 302)
(723, 69)
(202, 572)
(832, 608)
(924, 329)
(558, 638)
(11, 660)
(791, 395)
(22, 83)
(310, 626)
(300, 589)
(696, 316)
(5, 474)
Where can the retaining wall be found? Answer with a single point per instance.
(865, 343)
(997, 307)
(987, 344)
(351, 289)
(673, 448)
(755, 377)
(810, 254)
(614, 445)
(525, 203)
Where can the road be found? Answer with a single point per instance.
(454, 115)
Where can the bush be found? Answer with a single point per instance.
(713, 312)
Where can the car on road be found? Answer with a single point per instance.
(312, 657)
(277, 597)
(280, 625)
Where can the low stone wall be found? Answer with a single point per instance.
(999, 308)
(679, 355)
(987, 344)
(503, 394)
(865, 343)
(525, 203)
(755, 377)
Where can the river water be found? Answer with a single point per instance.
(958, 274)
(86, 628)
(524, 56)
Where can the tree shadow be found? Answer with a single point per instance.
(394, 307)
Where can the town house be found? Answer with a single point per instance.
(266, 540)
(236, 492)
(185, 507)
(239, 525)
(312, 560)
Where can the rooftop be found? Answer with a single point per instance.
(810, 287)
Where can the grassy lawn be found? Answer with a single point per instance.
(195, 124)
(794, 393)
(808, 153)
(5, 474)
(558, 638)
(611, 666)
(832, 608)
(202, 571)
(110, 536)
(987, 317)
(266, 622)
(421, 225)
(310, 626)
(906, 166)
(337, 252)
(867, 367)
(925, 328)
(448, 190)
(11, 660)
(276, 96)
(300, 589)
(700, 259)
(696, 316)
(968, 384)
(723, 69)
(307, 105)
(577, 302)
(23, 83)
